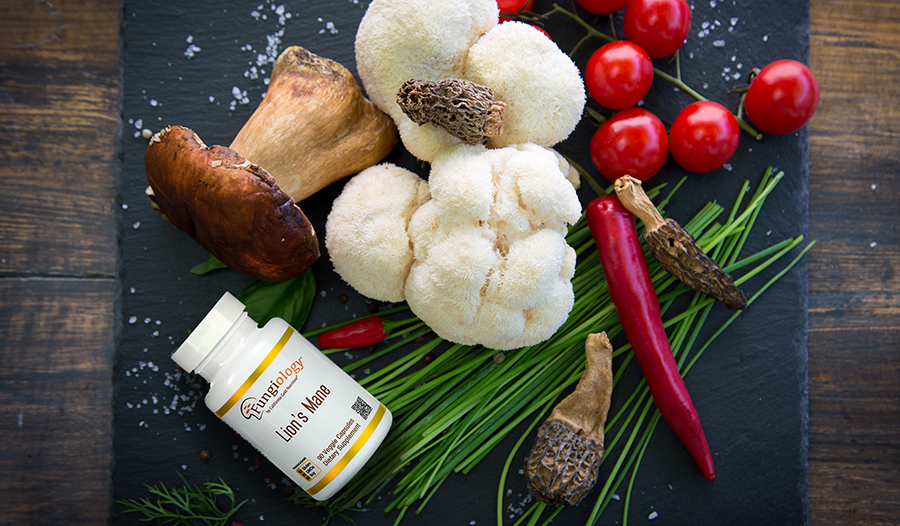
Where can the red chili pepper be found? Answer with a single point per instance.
(637, 304)
(356, 334)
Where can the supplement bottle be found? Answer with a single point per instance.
(280, 393)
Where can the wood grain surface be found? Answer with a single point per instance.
(58, 133)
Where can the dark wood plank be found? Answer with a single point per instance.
(55, 399)
(854, 154)
(854, 387)
(58, 122)
(59, 115)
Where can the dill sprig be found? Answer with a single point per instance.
(189, 505)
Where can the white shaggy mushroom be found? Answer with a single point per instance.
(399, 40)
(540, 84)
(366, 231)
(410, 39)
(491, 262)
(483, 261)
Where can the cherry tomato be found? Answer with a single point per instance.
(658, 26)
(602, 7)
(633, 142)
(513, 6)
(619, 74)
(703, 137)
(782, 97)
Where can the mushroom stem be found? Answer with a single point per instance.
(592, 392)
(676, 250)
(463, 108)
(314, 126)
(632, 195)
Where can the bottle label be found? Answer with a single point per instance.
(303, 412)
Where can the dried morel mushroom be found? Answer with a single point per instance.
(676, 250)
(563, 464)
(463, 108)
(314, 126)
(231, 207)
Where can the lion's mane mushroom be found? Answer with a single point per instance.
(405, 40)
(400, 40)
(479, 251)
(314, 125)
(230, 206)
(540, 84)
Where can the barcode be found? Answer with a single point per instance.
(361, 407)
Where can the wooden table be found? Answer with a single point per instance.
(58, 253)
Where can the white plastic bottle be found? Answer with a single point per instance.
(280, 393)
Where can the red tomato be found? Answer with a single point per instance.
(658, 26)
(703, 137)
(513, 6)
(602, 7)
(633, 142)
(619, 74)
(782, 97)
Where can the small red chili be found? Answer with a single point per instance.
(635, 299)
(356, 334)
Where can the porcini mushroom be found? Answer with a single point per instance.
(230, 206)
(314, 125)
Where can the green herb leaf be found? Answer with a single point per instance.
(289, 300)
(189, 505)
(211, 264)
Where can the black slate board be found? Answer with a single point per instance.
(182, 64)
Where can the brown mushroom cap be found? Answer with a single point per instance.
(314, 125)
(231, 207)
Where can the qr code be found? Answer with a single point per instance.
(361, 407)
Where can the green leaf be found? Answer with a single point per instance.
(212, 263)
(289, 300)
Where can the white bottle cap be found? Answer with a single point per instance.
(209, 333)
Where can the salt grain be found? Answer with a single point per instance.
(191, 51)
(653, 515)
